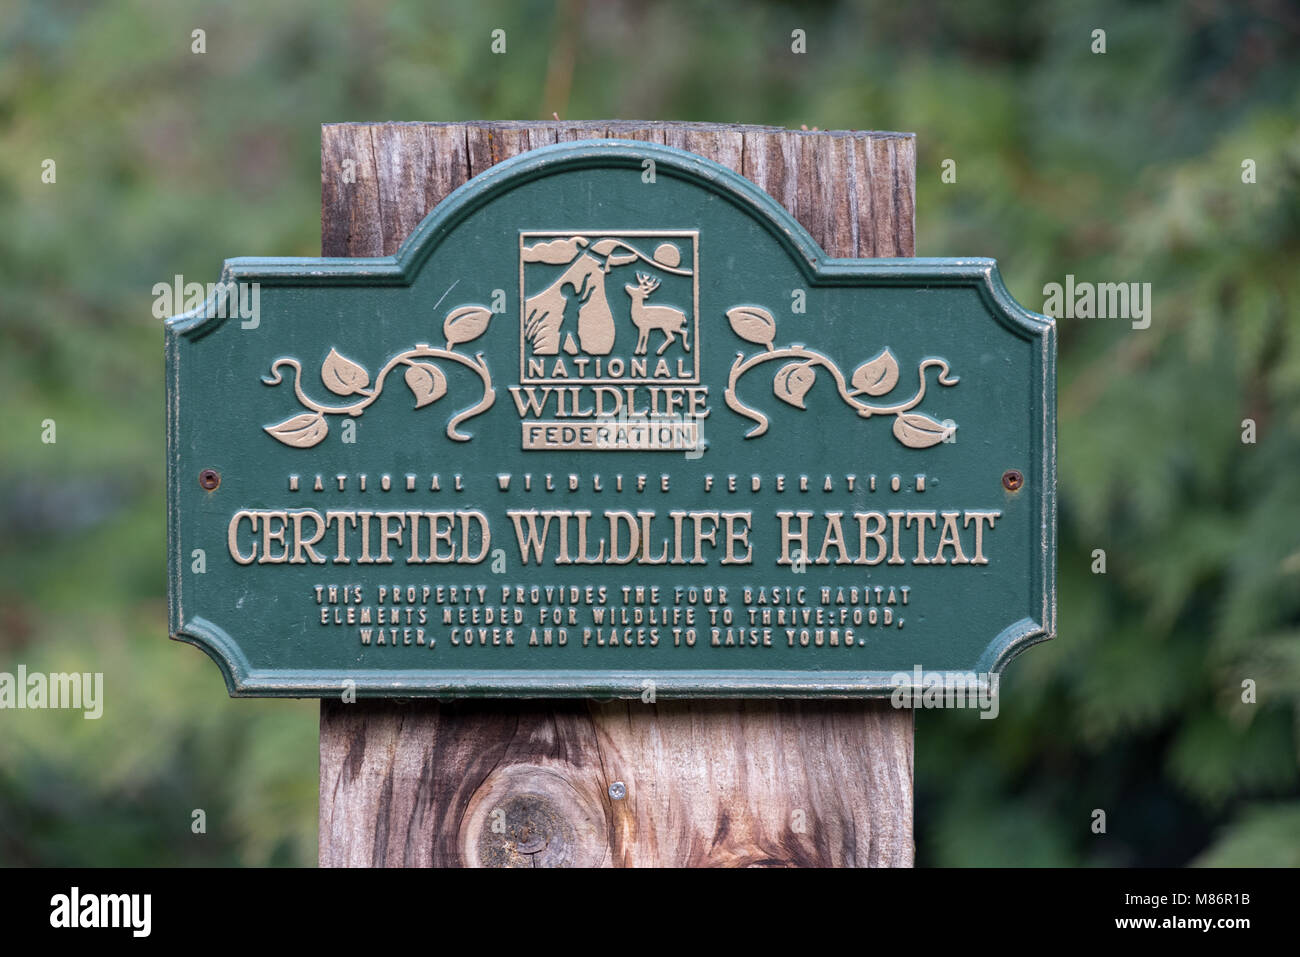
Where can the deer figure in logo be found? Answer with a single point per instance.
(664, 318)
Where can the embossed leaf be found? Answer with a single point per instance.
(605, 246)
(342, 376)
(753, 324)
(622, 259)
(426, 381)
(877, 376)
(465, 323)
(302, 431)
(793, 380)
(557, 252)
(919, 431)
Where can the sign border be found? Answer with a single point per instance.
(819, 269)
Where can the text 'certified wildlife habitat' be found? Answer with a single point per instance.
(586, 434)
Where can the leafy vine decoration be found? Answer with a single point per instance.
(425, 379)
(874, 378)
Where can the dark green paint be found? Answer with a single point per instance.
(258, 621)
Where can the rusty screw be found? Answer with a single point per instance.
(209, 479)
(1012, 480)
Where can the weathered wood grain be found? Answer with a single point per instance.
(507, 783)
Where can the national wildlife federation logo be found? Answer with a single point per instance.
(609, 337)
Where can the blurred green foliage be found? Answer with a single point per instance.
(1117, 167)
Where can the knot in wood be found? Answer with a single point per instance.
(526, 816)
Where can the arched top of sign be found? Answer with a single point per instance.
(819, 268)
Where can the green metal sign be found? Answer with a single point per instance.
(598, 432)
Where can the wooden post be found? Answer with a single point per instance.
(730, 783)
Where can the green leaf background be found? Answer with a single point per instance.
(1122, 167)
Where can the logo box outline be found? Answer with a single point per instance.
(693, 234)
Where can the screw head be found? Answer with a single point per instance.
(1012, 480)
(618, 790)
(209, 479)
